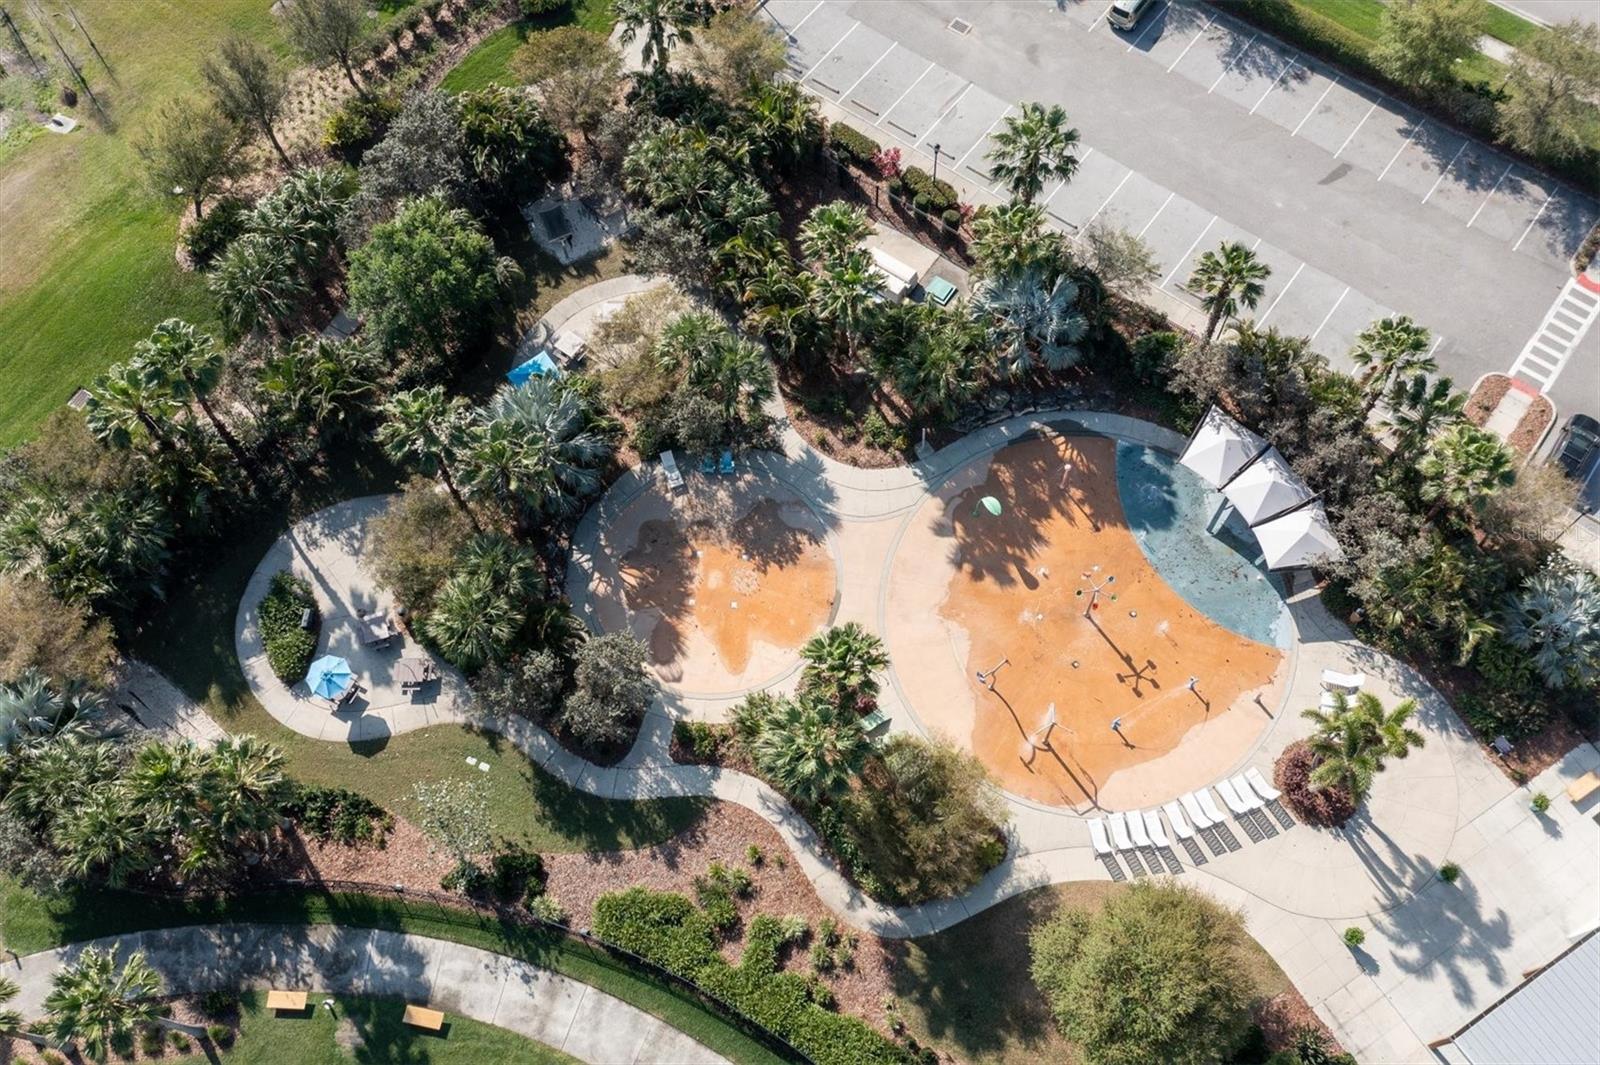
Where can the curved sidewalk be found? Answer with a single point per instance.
(508, 993)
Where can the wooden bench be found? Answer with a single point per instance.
(1584, 786)
(286, 1001)
(424, 1018)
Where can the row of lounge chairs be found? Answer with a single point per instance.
(1195, 811)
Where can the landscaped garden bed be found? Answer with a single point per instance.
(1530, 426)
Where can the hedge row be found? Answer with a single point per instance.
(289, 644)
(851, 145)
(1461, 105)
(671, 931)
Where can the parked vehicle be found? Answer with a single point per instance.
(1125, 14)
(1580, 447)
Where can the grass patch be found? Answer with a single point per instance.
(31, 924)
(266, 1038)
(967, 990)
(489, 63)
(1361, 17)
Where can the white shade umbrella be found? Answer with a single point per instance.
(1220, 448)
(1297, 538)
(1266, 488)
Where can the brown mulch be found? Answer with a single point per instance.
(1529, 431)
(1282, 1015)
(184, 1010)
(404, 858)
(1485, 397)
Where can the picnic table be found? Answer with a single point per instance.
(415, 672)
(570, 346)
(424, 1018)
(375, 629)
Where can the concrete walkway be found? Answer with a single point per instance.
(546, 1007)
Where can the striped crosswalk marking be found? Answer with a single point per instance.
(1563, 328)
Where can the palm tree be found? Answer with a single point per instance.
(845, 293)
(841, 665)
(323, 381)
(257, 284)
(1010, 238)
(1463, 464)
(535, 450)
(105, 832)
(481, 610)
(1227, 279)
(31, 709)
(809, 748)
(188, 358)
(245, 786)
(98, 1003)
(130, 403)
(1352, 741)
(105, 547)
(664, 23)
(936, 371)
(833, 231)
(1555, 616)
(1032, 147)
(782, 121)
(10, 1019)
(1393, 350)
(167, 786)
(1030, 319)
(717, 364)
(779, 302)
(424, 427)
(1419, 407)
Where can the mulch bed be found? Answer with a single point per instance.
(1529, 431)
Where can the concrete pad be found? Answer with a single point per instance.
(539, 1004)
(846, 64)
(811, 42)
(1420, 165)
(1097, 178)
(916, 113)
(895, 74)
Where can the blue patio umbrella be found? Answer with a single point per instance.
(329, 677)
(541, 365)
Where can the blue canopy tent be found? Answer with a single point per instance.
(541, 365)
(329, 677)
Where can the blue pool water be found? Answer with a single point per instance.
(1172, 514)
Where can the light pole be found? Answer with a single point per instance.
(1096, 588)
(935, 160)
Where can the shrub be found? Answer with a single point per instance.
(220, 1035)
(151, 1042)
(876, 431)
(952, 217)
(289, 645)
(545, 908)
(755, 856)
(886, 161)
(528, 685)
(219, 1003)
(538, 8)
(338, 814)
(415, 543)
(466, 877)
(1325, 807)
(852, 146)
(928, 193)
(1449, 872)
(358, 124)
(179, 1042)
(211, 234)
(612, 690)
(1541, 802)
(1354, 937)
(703, 741)
(517, 873)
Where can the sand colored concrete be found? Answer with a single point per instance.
(968, 589)
(723, 584)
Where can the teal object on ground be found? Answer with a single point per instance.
(940, 291)
(329, 677)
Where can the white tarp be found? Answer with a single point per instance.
(1267, 487)
(1220, 448)
(1297, 539)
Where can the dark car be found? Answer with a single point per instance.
(1580, 446)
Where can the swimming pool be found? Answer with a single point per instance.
(1213, 565)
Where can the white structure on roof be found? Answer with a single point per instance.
(1550, 1019)
(1220, 447)
(1266, 488)
(1297, 539)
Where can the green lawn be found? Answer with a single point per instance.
(1364, 17)
(29, 924)
(488, 63)
(967, 990)
(88, 263)
(312, 1038)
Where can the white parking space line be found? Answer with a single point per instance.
(944, 114)
(1489, 197)
(1292, 64)
(1533, 223)
(845, 96)
(1108, 199)
(1296, 131)
(1155, 20)
(816, 66)
(1398, 151)
(1242, 53)
(1103, 13)
(984, 135)
(1443, 173)
(1084, 158)
(1185, 256)
(1282, 293)
(1353, 132)
(1436, 342)
(1191, 44)
(793, 29)
(1329, 316)
(903, 95)
(1157, 215)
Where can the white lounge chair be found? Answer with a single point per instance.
(1230, 797)
(1260, 783)
(1196, 812)
(1097, 836)
(1247, 795)
(1152, 826)
(669, 466)
(1119, 832)
(1180, 826)
(1141, 838)
(1330, 700)
(1350, 682)
(1209, 805)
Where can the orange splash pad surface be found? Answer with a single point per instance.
(725, 600)
(969, 590)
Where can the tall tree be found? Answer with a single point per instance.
(1555, 616)
(424, 428)
(1227, 279)
(809, 748)
(190, 359)
(329, 31)
(192, 148)
(841, 665)
(845, 293)
(98, 1003)
(1419, 408)
(1463, 464)
(663, 24)
(511, 149)
(737, 51)
(1421, 41)
(1548, 107)
(250, 87)
(1354, 739)
(1031, 319)
(1010, 238)
(536, 452)
(1391, 351)
(575, 73)
(1033, 146)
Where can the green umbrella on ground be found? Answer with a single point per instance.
(991, 504)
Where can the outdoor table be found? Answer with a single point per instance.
(414, 671)
(570, 346)
(291, 1001)
(375, 629)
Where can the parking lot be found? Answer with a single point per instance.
(1197, 130)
